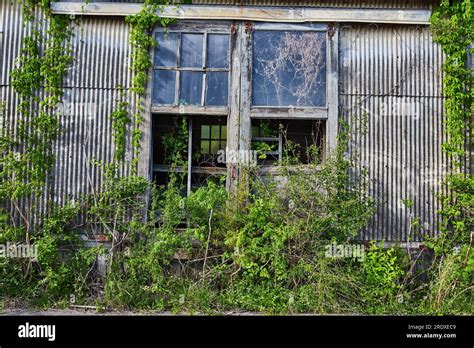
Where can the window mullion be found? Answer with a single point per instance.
(204, 60)
(280, 145)
(178, 73)
(190, 155)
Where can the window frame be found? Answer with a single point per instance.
(193, 27)
(1, 59)
(239, 111)
(282, 112)
(191, 168)
(329, 113)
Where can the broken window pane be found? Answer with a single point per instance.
(217, 51)
(191, 50)
(191, 87)
(217, 88)
(289, 68)
(167, 47)
(164, 86)
(299, 142)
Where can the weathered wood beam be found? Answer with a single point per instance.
(251, 13)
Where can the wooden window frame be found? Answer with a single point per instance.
(1, 59)
(240, 111)
(190, 27)
(329, 113)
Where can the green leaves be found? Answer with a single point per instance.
(452, 24)
(40, 69)
(120, 120)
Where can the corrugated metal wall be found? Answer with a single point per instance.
(391, 81)
(13, 33)
(390, 75)
(101, 64)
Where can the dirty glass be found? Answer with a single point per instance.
(184, 59)
(164, 81)
(217, 88)
(191, 50)
(167, 47)
(190, 88)
(217, 51)
(289, 68)
(213, 138)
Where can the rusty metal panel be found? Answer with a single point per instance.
(390, 76)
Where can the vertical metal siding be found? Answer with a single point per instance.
(391, 77)
(380, 66)
(101, 63)
(11, 25)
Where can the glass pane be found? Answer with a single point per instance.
(223, 132)
(217, 51)
(205, 147)
(164, 87)
(217, 88)
(289, 68)
(166, 49)
(205, 132)
(215, 132)
(215, 146)
(191, 50)
(191, 88)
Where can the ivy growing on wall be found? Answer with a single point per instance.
(37, 79)
(452, 24)
(120, 120)
(142, 42)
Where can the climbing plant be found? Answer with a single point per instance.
(37, 79)
(120, 120)
(452, 24)
(142, 42)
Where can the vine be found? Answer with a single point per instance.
(142, 42)
(120, 120)
(453, 27)
(37, 80)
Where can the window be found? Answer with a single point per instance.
(244, 87)
(205, 136)
(289, 68)
(299, 141)
(191, 76)
(191, 67)
(289, 65)
(213, 138)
